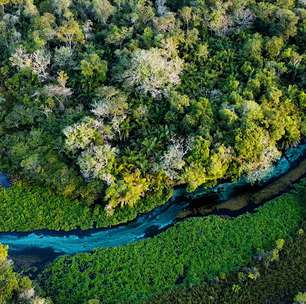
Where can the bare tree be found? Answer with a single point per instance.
(172, 161)
(96, 161)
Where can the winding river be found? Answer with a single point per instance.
(145, 225)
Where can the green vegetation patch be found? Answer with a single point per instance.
(187, 253)
(117, 99)
(277, 284)
(24, 207)
(15, 288)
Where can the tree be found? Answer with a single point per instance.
(251, 111)
(228, 115)
(186, 14)
(80, 135)
(103, 10)
(256, 151)
(7, 2)
(60, 91)
(43, 29)
(37, 62)
(194, 176)
(219, 162)
(61, 7)
(220, 23)
(147, 37)
(300, 298)
(161, 7)
(97, 162)
(153, 72)
(143, 13)
(117, 35)
(202, 52)
(172, 161)
(178, 101)
(93, 301)
(126, 191)
(93, 70)
(13, 286)
(243, 17)
(30, 10)
(70, 33)
(63, 57)
(275, 20)
(165, 24)
(274, 46)
(111, 106)
(252, 48)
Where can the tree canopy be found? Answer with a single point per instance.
(110, 98)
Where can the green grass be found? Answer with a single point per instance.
(193, 250)
(24, 207)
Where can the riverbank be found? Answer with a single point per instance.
(145, 226)
(25, 207)
(249, 199)
(187, 253)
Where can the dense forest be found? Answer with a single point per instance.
(113, 101)
(106, 106)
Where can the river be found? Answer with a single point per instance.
(57, 243)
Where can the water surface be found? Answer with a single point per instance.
(143, 226)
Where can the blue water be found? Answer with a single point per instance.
(144, 226)
(4, 181)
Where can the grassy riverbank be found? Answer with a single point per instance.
(24, 207)
(193, 250)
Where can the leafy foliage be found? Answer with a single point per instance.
(21, 209)
(278, 283)
(101, 100)
(189, 252)
(15, 288)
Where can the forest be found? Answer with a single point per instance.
(108, 106)
(116, 102)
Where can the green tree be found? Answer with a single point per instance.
(70, 33)
(103, 10)
(93, 69)
(274, 46)
(126, 191)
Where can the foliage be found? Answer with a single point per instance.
(190, 92)
(278, 283)
(22, 209)
(15, 288)
(152, 71)
(193, 250)
(300, 298)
